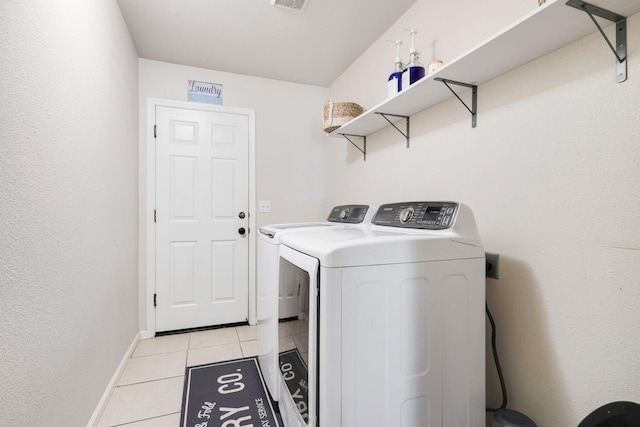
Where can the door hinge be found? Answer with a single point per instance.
(155, 131)
(154, 215)
(155, 301)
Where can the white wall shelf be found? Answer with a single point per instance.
(544, 30)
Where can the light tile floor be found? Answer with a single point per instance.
(149, 391)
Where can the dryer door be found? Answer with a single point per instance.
(298, 340)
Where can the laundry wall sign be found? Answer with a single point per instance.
(208, 93)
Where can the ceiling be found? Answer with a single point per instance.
(252, 37)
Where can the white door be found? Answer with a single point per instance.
(202, 201)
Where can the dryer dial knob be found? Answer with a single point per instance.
(344, 213)
(406, 214)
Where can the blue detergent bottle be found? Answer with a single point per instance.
(394, 84)
(414, 70)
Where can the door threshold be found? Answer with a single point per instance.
(202, 328)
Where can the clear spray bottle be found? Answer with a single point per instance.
(414, 70)
(394, 84)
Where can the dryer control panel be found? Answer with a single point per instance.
(348, 214)
(422, 215)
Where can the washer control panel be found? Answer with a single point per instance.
(348, 214)
(422, 215)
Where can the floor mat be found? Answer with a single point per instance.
(294, 372)
(227, 393)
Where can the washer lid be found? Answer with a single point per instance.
(339, 216)
(275, 231)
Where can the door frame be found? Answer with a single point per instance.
(150, 282)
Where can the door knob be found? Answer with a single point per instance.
(241, 215)
(241, 230)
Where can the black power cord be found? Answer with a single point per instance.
(495, 358)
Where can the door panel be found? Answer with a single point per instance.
(202, 185)
(184, 187)
(222, 185)
(222, 259)
(183, 266)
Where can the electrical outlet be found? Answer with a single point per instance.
(492, 265)
(264, 206)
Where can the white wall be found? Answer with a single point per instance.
(68, 207)
(552, 174)
(290, 143)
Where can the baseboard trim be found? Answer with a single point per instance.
(102, 404)
(146, 334)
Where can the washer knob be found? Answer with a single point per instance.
(406, 214)
(344, 213)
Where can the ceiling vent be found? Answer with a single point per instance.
(297, 5)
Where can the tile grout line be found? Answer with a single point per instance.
(145, 419)
(151, 381)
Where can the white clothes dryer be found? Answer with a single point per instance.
(395, 331)
(283, 302)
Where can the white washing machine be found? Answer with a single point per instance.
(395, 331)
(284, 301)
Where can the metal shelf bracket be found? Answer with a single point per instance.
(474, 97)
(364, 138)
(620, 50)
(406, 135)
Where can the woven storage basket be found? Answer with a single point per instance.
(335, 114)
